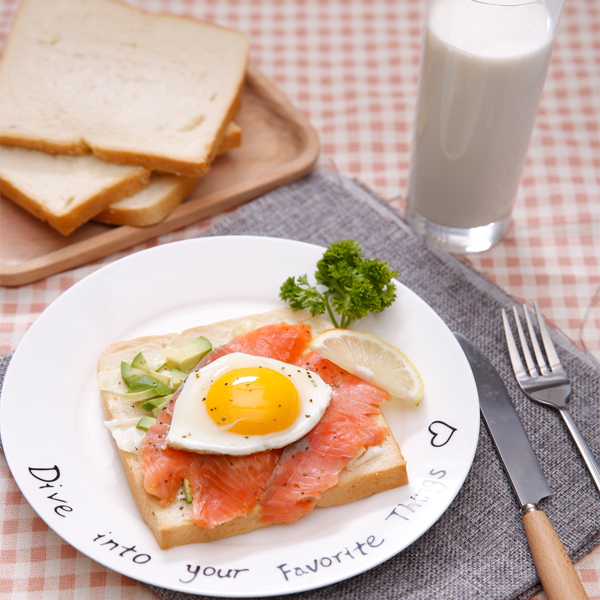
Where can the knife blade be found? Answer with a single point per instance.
(557, 573)
(505, 427)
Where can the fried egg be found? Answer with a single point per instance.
(240, 404)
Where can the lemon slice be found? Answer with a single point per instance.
(373, 360)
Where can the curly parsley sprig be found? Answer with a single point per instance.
(354, 285)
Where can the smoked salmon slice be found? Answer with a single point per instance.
(313, 464)
(223, 487)
(229, 488)
(280, 341)
(283, 483)
(164, 468)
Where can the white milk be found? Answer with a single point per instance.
(482, 73)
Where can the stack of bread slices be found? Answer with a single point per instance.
(113, 114)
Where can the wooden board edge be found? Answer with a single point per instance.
(124, 236)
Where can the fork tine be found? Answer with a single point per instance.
(513, 351)
(541, 361)
(524, 345)
(553, 359)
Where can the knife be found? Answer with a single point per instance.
(555, 569)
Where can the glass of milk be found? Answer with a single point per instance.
(483, 67)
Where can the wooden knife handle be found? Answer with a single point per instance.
(557, 573)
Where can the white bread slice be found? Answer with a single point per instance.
(150, 205)
(165, 193)
(67, 191)
(172, 526)
(152, 90)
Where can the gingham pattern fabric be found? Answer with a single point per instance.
(352, 66)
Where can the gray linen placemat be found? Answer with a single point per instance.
(478, 549)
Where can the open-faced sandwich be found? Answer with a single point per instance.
(242, 424)
(261, 432)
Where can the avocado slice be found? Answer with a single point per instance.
(156, 411)
(155, 402)
(164, 377)
(130, 373)
(147, 382)
(139, 362)
(139, 396)
(145, 423)
(177, 378)
(188, 356)
(187, 490)
(161, 359)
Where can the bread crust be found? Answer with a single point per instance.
(67, 221)
(172, 526)
(110, 204)
(164, 193)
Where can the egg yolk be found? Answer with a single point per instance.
(253, 401)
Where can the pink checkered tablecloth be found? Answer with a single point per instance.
(351, 66)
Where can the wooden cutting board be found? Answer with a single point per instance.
(278, 146)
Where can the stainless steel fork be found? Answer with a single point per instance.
(545, 382)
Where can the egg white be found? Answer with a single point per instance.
(193, 429)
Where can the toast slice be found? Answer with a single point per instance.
(172, 526)
(67, 191)
(150, 90)
(150, 205)
(163, 195)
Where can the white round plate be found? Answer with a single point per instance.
(67, 466)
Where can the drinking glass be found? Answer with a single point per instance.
(483, 67)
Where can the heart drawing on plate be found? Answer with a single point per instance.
(441, 433)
